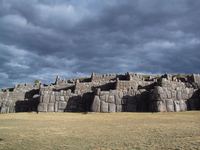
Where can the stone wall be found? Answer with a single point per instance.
(171, 96)
(63, 101)
(196, 79)
(103, 77)
(19, 99)
(131, 100)
(106, 93)
(132, 84)
(83, 87)
(123, 85)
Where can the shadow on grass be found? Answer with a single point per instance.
(1, 139)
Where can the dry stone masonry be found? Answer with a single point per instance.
(128, 92)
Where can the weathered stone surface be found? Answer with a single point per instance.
(104, 106)
(111, 107)
(57, 97)
(62, 105)
(120, 94)
(118, 100)
(51, 107)
(169, 105)
(62, 98)
(183, 106)
(124, 100)
(111, 99)
(104, 97)
(118, 108)
(56, 106)
(177, 106)
(116, 93)
(52, 98)
(169, 94)
(179, 95)
(42, 107)
(4, 109)
(161, 106)
(66, 98)
(173, 94)
(96, 104)
(45, 98)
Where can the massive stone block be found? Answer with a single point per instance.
(118, 100)
(169, 105)
(96, 104)
(160, 106)
(45, 98)
(42, 107)
(179, 95)
(57, 98)
(177, 106)
(104, 97)
(111, 107)
(62, 105)
(56, 106)
(111, 99)
(118, 108)
(104, 106)
(183, 106)
(4, 109)
(51, 107)
(62, 98)
(52, 98)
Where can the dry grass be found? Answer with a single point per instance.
(54, 131)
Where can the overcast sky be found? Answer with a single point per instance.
(40, 39)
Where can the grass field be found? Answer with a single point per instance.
(31, 131)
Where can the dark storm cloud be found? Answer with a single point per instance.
(42, 38)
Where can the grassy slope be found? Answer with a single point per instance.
(100, 131)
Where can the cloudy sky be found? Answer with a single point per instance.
(40, 39)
